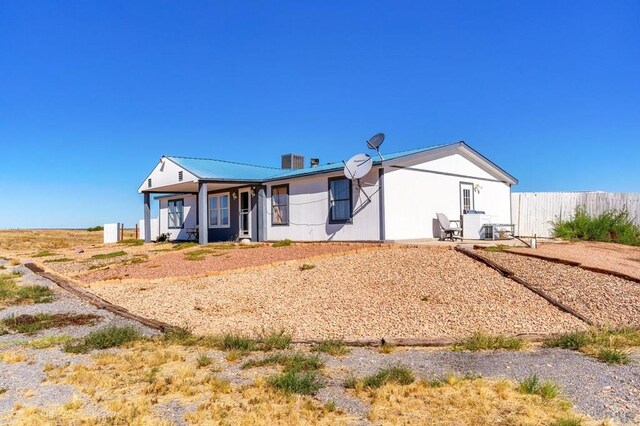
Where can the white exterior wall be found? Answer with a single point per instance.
(111, 232)
(190, 214)
(412, 198)
(309, 212)
(155, 228)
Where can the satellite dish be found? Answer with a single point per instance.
(357, 166)
(375, 141)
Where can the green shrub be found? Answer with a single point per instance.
(103, 339)
(302, 383)
(611, 226)
(282, 243)
(481, 342)
(532, 385)
(96, 228)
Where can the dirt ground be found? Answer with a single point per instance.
(614, 257)
(214, 257)
(400, 292)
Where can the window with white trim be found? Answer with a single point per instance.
(219, 211)
(176, 213)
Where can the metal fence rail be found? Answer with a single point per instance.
(533, 212)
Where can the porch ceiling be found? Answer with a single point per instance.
(192, 187)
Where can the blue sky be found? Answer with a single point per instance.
(92, 93)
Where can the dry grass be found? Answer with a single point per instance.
(463, 402)
(131, 382)
(37, 241)
(12, 357)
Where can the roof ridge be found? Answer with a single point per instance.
(223, 161)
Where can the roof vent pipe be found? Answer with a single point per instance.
(315, 162)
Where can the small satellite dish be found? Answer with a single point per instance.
(375, 141)
(358, 166)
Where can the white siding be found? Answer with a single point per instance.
(309, 212)
(189, 216)
(533, 212)
(413, 197)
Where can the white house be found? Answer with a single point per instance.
(216, 200)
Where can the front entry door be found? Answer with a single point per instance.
(245, 213)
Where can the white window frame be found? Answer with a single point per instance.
(219, 209)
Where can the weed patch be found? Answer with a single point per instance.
(306, 267)
(103, 339)
(301, 383)
(282, 243)
(45, 253)
(203, 360)
(482, 342)
(197, 254)
(532, 385)
(332, 347)
(295, 362)
(606, 344)
(59, 260)
(274, 339)
(109, 255)
(48, 342)
(182, 246)
(13, 294)
(31, 324)
(131, 242)
(397, 375)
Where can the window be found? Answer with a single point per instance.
(339, 200)
(219, 211)
(280, 205)
(176, 213)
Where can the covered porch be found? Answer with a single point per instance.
(205, 212)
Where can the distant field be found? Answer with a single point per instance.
(29, 240)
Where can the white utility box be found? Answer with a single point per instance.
(112, 232)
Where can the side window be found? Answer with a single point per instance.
(280, 205)
(176, 213)
(340, 200)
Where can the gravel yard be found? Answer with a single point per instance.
(216, 258)
(605, 299)
(613, 257)
(399, 292)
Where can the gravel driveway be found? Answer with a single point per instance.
(401, 292)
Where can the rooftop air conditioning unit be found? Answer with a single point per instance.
(292, 161)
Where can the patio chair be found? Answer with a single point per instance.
(447, 230)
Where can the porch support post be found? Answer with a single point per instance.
(147, 217)
(203, 217)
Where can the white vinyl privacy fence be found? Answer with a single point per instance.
(533, 212)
